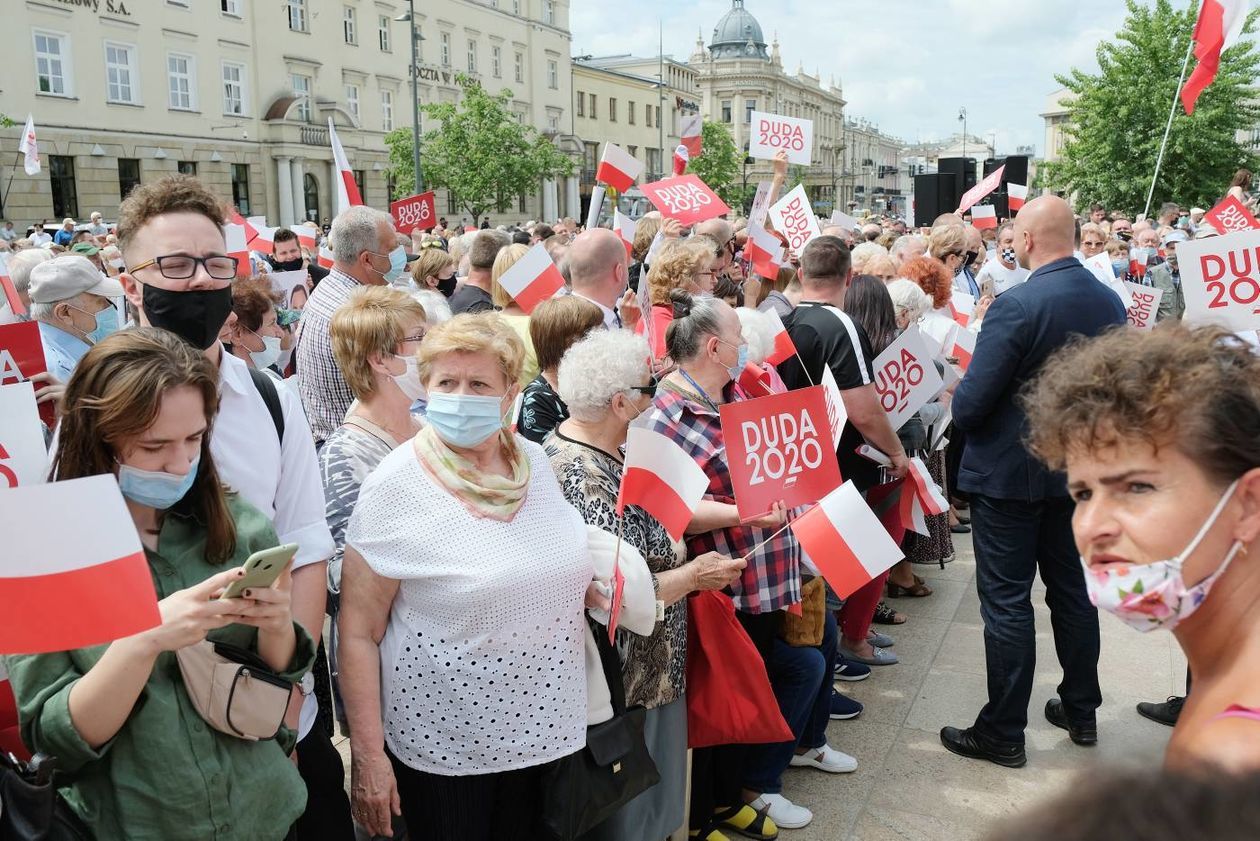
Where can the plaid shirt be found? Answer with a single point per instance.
(325, 395)
(772, 579)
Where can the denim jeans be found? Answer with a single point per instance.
(1013, 540)
(801, 679)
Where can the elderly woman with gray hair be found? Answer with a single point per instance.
(606, 383)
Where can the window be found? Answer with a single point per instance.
(382, 33)
(726, 111)
(446, 49)
(750, 105)
(234, 88)
(452, 203)
(581, 104)
(516, 7)
(52, 52)
(240, 187)
(302, 90)
(352, 101)
(349, 28)
(61, 174)
(120, 73)
(179, 73)
(231, 7)
(520, 68)
(186, 167)
(521, 205)
(553, 122)
(310, 196)
(633, 150)
(591, 109)
(549, 11)
(387, 110)
(128, 176)
(612, 109)
(630, 113)
(553, 75)
(654, 162)
(360, 178)
(297, 15)
(496, 62)
(647, 116)
(472, 56)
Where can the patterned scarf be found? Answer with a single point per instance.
(484, 494)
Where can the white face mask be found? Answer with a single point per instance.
(409, 380)
(266, 357)
(1151, 596)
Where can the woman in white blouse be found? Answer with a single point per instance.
(463, 585)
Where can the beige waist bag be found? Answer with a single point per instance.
(234, 690)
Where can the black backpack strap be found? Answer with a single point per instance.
(270, 396)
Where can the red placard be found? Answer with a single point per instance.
(22, 357)
(414, 212)
(779, 448)
(685, 198)
(1230, 216)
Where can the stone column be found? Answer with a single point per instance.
(299, 190)
(284, 190)
(573, 198)
(549, 208)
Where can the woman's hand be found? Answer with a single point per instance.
(713, 571)
(596, 599)
(373, 793)
(188, 615)
(628, 308)
(982, 306)
(268, 608)
(780, 164)
(671, 228)
(54, 391)
(772, 519)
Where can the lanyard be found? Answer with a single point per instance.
(703, 394)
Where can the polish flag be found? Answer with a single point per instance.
(755, 380)
(306, 236)
(984, 216)
(692, 133)
(661, 479)
(1016, 195)
(988, 185)
(326, 258)
(1219, 25)
(10, 291)
(234, 236)
(71, 588)
(618, 168)
(926, 489)
(260, 235)
(623, 227)
(963, 348)
(766, 252)
(29, 147)
(845, 540)
(783, 348)
(962, 305)
(347, 189)
(681, 158)
(532, 279)
(1138, 258)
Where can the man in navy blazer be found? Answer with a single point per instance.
(1021, 514)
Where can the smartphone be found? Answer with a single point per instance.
(262, 569)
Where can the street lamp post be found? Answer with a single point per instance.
(410, 17)
(744, 195)
(962, 118)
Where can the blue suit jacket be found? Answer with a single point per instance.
(1023, 327)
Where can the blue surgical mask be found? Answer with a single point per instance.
(464, 420)
(397, 262)
(741, 359)
(106, 323)
(156, 488)
(1119, 267)
(266, 357)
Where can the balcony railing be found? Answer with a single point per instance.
(314, 136)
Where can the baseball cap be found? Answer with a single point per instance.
(87, 249)
(1175, 236)
(69, 275)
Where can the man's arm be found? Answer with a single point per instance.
(1000, 347)
(865, 413)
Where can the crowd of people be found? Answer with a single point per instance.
(449, 465)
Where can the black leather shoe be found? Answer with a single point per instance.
(1081, 734)
(974, 745)
(1165, 713)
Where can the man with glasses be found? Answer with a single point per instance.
(178, 277)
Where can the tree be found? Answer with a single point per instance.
(480, 152)
(1117, 120)
(720, 165)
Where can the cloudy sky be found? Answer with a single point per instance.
(906, 65)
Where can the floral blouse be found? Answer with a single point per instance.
(653, 667)
(542, 410)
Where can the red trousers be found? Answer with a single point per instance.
(859, 609)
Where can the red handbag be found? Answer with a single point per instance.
(729, 699)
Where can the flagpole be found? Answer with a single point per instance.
(753, 550)
(612, 602)
(1172, 112)
(4, 201)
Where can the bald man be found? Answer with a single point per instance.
(1021, 514)
(599, 273)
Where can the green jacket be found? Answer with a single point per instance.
(1173, 302)
(167, 774)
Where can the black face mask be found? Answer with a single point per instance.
(286, 265)
(446, 285)
(195, 316)
(1125, 236)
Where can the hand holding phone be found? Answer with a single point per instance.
(261, 570)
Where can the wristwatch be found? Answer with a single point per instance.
(307, 684)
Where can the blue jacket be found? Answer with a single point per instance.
(1023, 327)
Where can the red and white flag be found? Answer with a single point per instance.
(236, 246)
(1016, 195)
(988, 185)
(12, 300)
(765, 251)
(305, 235)
(755, 380)
(1219, 25)
(783, 348)
(70, 588)
(347, 189)
(984, 216)
(963, 348)
(662, 479)
(326, 258)
(926, 489)
(623, 227)
(532, 279)
(260, 236)
(845, 540)
(962, 306)
(618, 168)
(29, 147)
(681, 159)
(692, 133)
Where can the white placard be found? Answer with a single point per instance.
(844, 220)
(793, 217)
(837, 414)
(760, 206)
(23, 458)
(1220, 277)
(1100, 266)
(1145, 304)
(769, 133)
(284, 283)
(905, 377)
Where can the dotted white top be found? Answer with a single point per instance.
(482, 662)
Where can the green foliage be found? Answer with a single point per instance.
(480, 152)
(720, 165)
(1117, 120)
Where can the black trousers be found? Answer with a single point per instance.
(327, 815)
(1013, 540)
(481, 807)
(717, 773)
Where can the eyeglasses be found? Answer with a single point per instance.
(648, 390)
(184, 266)
(432, 244)
(419, 337)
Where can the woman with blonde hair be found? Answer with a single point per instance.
(434, 269)
(509, 310)
(685, 265)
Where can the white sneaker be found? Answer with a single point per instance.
(784, 813)
(826, 758)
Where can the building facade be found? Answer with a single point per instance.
(870, 173)
(240, 93)
(1055, 117)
